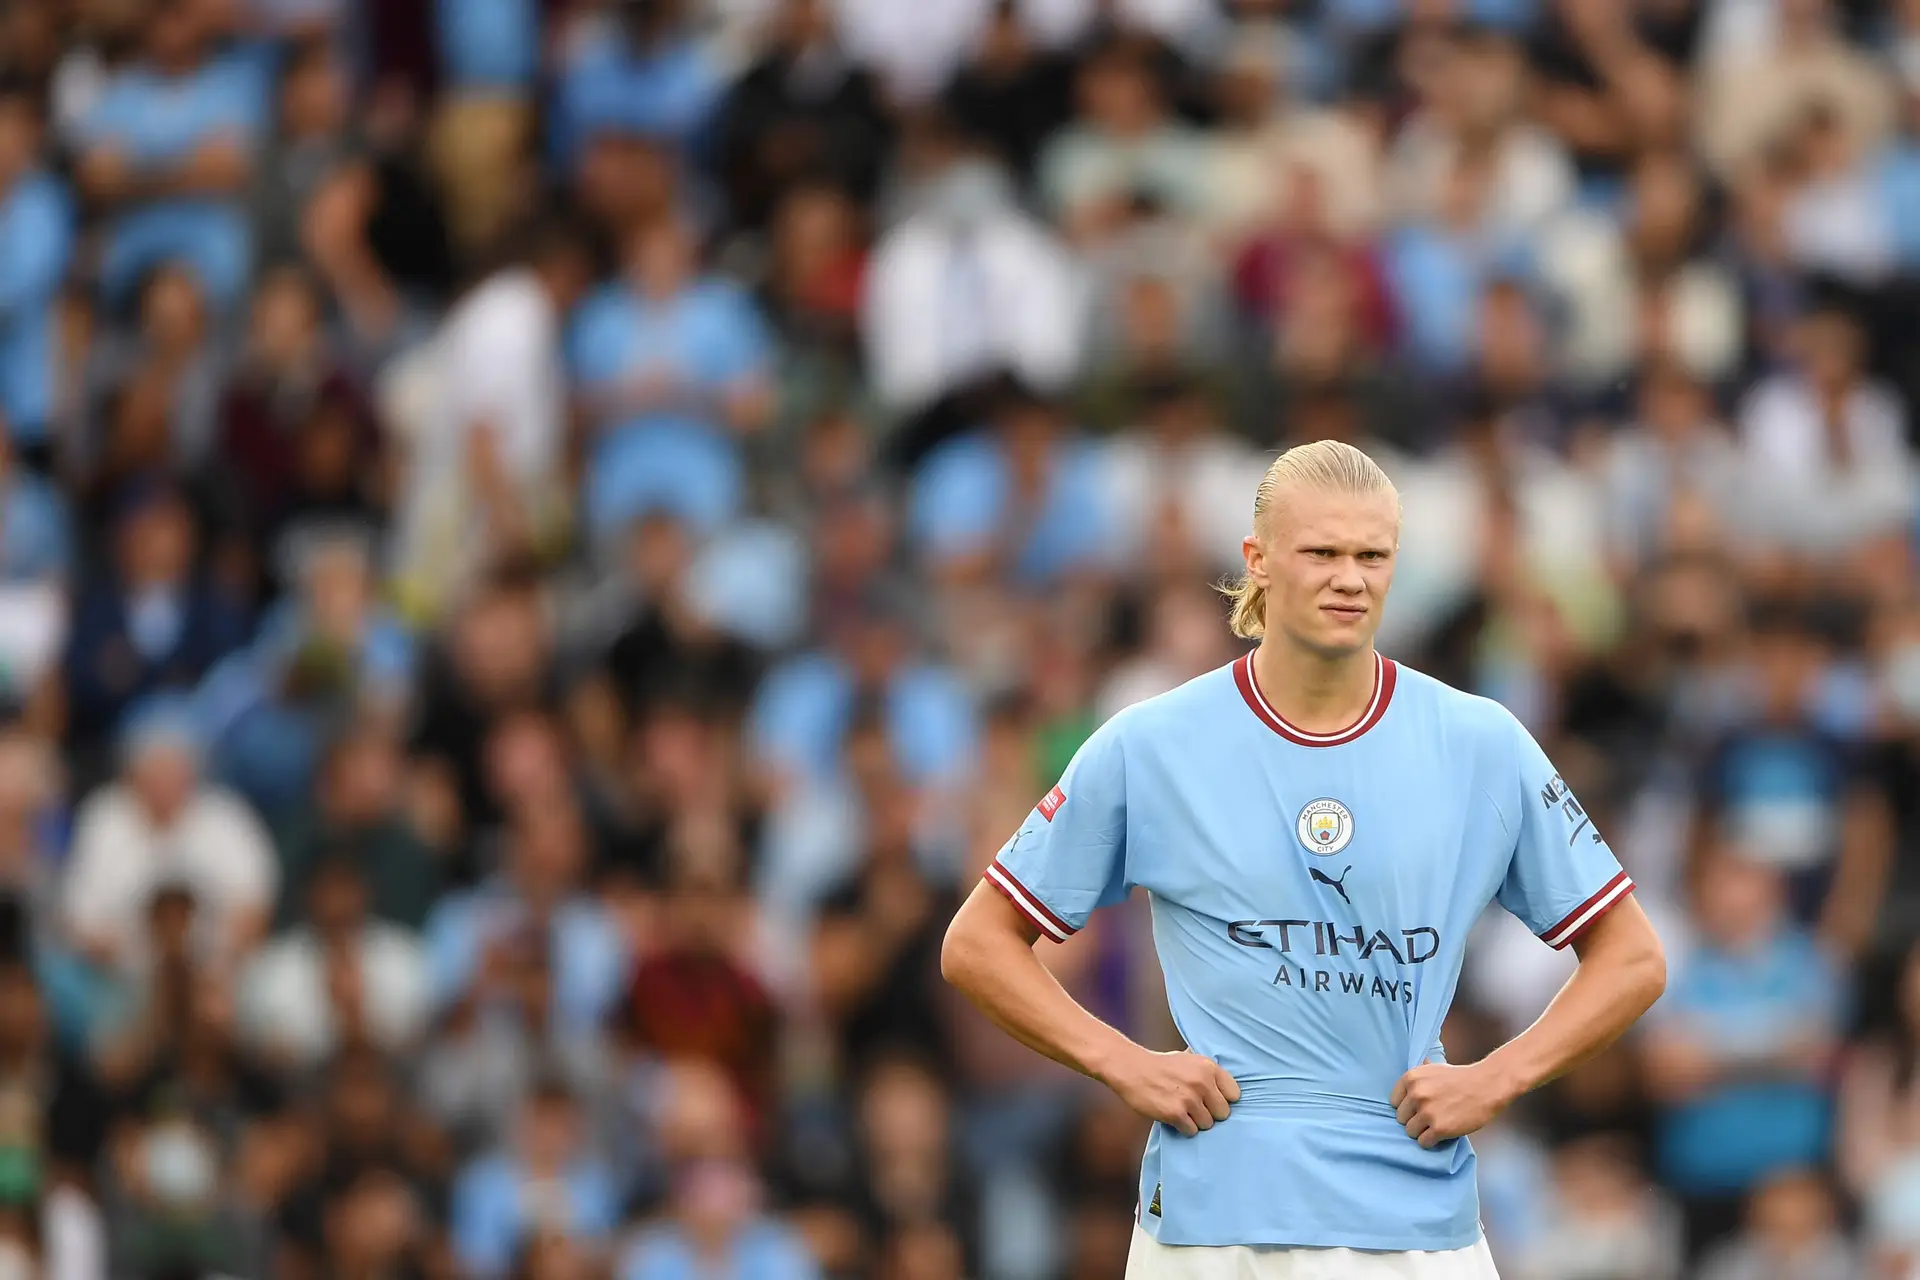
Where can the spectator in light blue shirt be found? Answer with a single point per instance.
(670, 366)
(319, 658)
(36, 539)
(489, 45)
(642, 70)
(806, 708)
(1024, 496)
(36, 236)
(550, 1182)
(536, 900)
(1740, 1047)
(717, 1230)
(168, 148)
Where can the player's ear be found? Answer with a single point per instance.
(1256, 557)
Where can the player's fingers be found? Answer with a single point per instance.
(1405, 1109)
(1417, 1125)
(1229, 1087)
(1216, 1102)
(1399, 1093)
(1183, 1122)
(1432, 1138)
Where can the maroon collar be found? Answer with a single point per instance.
(1385, 673)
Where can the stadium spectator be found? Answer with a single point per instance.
(1826, 444)
(340, 978)
(804, 112)
(34, 248)
(293, 424)
(358, 814)
(161, 825)
(1741, 1047)
(1599, 1219)
(169, 147)
(486, 479)
(966, 284)
(547, 1180)
(1016, 499)
(670, 367)
(155, 624)
(1792, 1230)
(538, 899)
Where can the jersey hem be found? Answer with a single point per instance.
(1344, 1240)
(1582, 917)
(1029, 905)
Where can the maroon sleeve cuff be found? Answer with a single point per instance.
(1581, 918)
(1049, 924)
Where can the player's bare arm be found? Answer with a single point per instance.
(1622, 972)
(988, 955)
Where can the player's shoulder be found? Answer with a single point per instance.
(1187, 712)
(1191, 704)
(1458, 710)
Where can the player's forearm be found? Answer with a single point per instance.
(992, 963)
(1622, 972)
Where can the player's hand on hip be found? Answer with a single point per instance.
(1439, 1100)
(1182, 1089)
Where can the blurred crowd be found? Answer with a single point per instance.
(545, 543)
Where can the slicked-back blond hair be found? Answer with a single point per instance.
(1325, 466)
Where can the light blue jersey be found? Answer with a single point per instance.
(1312, 895)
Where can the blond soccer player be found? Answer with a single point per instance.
(1317, 828)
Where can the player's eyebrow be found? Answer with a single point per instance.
(1336, 549)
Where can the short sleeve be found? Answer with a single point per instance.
(1561, 876)
(597, 340)
(112, 116)
(737, 344)
(1069, 857)
(956, 500)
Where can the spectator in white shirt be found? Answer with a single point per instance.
(1826, 450)
(1186, 482)
(343, 976)
(1471, 119)
(1675, 461)
(1125, 144)
(918, 46)
(161, 824)
(487, 473)
(1837, 219)
(967, 285)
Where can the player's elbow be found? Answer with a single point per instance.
(960, 952)
(973, 940)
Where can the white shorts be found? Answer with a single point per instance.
(1151, 1260)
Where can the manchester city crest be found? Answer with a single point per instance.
(1325, 827)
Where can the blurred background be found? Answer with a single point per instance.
(545, 543)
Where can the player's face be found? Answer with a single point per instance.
(1326, 563)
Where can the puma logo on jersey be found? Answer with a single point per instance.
(1338, 886)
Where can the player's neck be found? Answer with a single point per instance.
(1312, 691)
